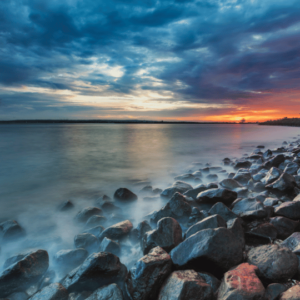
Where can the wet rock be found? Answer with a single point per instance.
(15, 258)
(275, 263)
(291, 168)
(68, 205)
(177, 208)
(211, 250)
(267, 154)
(18, 296)
(213, 196)
(70, 259)
(108, 245)
(157, 191)
(98, 270)
(86, 213)
(117, 231)
(241, 283)
(10, 230)
(231, 175)
(145, 278)
(223, 211)
(197, 216)
(138, 233)
(212, 177)
(147, 189)
(270, 201)
(187, 284)
(48, 278)
(194, 192)
(177, 187)
(266, 230)
(289, 210)
(167, 235)
(285, 183)
(249, 208)
(211, 280)
(212, 185)
(79, 296)
(96, 231)
(185, 177)
(54, 291)
(242, 176)
(230, 184)
(292, 293)
(94, 221)
(22, 274)
(86, 241)
(274, 162)
(214, 221)
(260, 175)
(274, 290)
(293, 243)
(124, 194)
(109, 292)
(109, 207)
(284, 226)
(242, 165)
(237, 229)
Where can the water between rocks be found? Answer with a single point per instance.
(43, 165)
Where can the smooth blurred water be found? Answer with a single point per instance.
(42, 165)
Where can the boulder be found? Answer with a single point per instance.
(290, 210)
(241, 283)
(117, 231)
(111, 246)
(293, 243)
(270, 201)
(275, 263)
(211, 280)
(18, 296)
(194, 192)
(15, 258)
(123, 194)
(274, 161)
(177, 187)
(214, 221)
(185, 177)
(267, 154)
(271, 176)
(23, 273)
(138, 233)
(230, 184)
(212, 177)
(10, 230)
(236, 227)
(211, 250)
(249, 208)
(96, 231)
(242, 176)
(223, 211)
(98, 270)
(109, 207)
(86, 213)
(109, 292)
(265, 230)
(144, 280)
(187, 284)
(213, 196)
(167, 235)
(285, 183)
(291, 168)
(260, 175)
(292, 293)
(54, 291)
(177, 208)
(66, 206)
(70, 259)
(94, 221)
(284, 226)
(274, 290)
(197, 216)
(242, 165)
(86, 241)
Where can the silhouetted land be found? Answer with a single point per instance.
(107, 121)
(283, 122)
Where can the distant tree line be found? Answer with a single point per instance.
(283, 122)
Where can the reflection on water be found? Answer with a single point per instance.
(42, 165)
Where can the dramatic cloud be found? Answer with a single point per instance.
(180, 59)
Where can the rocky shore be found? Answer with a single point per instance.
(230, 239)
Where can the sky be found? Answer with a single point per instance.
(187, 60)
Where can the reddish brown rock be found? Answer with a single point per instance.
(292, 293)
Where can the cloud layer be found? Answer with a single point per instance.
(182, 59)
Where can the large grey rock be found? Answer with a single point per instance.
(274, 161)
(223, 211)
(182, 285)
(285, 183)
(70, 259)
(167, 235)
(291, 168)
(123, 194)
(94, 221)
(54, 291)
(138, 233)
(177, 187)
(86, 213)
(241, 283)
(275, 263)
(260, 175)
(108, 245)
(109, 292)
(213, 196)
(211, 250)
(230, 184)
(194, 192)
(271, 176)
(211, 280)
(292, 293)
(274, 290)
(197, 216)
(249, 208)
(293, 243)
(10, 230)
(117, 231)
(23, 273)
(96, 231)
(86, 241)
(177, 208)
(236, 227)
(242, 165)
(289, 210)
(242, 176)
(285, 227)
(146, 277)
(266, 230)
(214, 221)
(98, 270)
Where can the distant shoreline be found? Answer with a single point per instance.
(109, 122)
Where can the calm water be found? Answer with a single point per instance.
(43, 165)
